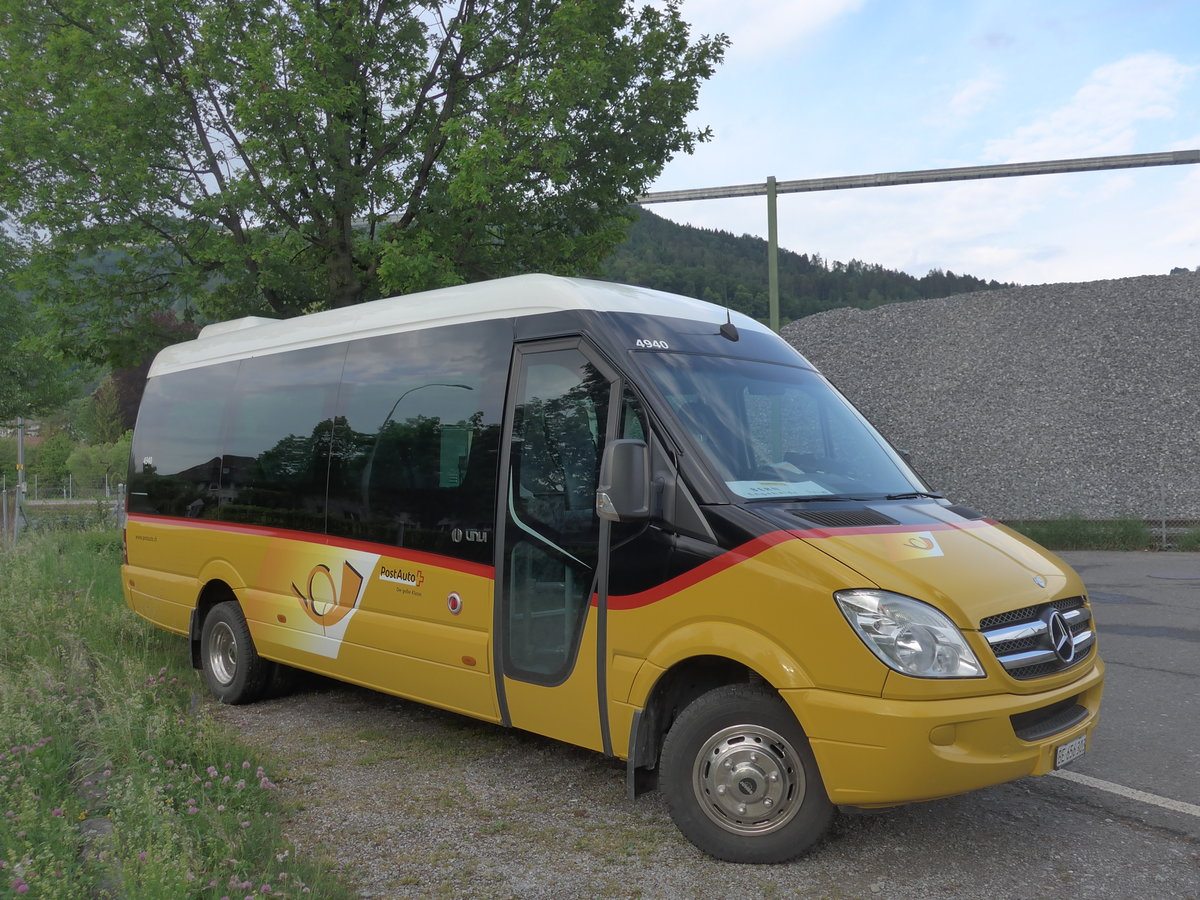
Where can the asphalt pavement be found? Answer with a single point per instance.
(1147, 611)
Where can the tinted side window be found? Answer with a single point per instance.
(414, 455)
(278, 436)
(175, 467)
(559, 424)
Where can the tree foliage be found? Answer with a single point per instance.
(92, 464)
(48, 459)
(280, 156)
(723, 268)
(31, 382)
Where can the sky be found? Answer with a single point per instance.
(817, 88)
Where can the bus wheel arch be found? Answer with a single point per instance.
(213, 593)
(675, 689)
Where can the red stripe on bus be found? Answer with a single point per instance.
(752, 548)
(706, 569)
(418, 556)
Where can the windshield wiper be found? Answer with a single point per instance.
(915, 495)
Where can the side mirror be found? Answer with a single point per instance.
(623, 494)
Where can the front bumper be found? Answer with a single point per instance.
(876, 752)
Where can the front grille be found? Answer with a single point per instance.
(1041, 640)
(1039, 724)
(1026, 613)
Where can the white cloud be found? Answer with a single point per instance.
(973, 96)
(1102, 118)
(1182, 234)
(758, 27)
(967, 101)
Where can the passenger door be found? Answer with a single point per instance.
(552, 549)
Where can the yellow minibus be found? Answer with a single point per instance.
(624, 519)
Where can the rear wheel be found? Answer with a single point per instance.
(740, 777)
(233, 670)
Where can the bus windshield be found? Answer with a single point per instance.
(776, 431)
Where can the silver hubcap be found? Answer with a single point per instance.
(749, 780)
(222, 653)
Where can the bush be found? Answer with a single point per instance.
(80, 517)
(1189, 540)
(1077, 533)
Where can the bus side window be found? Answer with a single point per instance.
(632, 424)
(558, 437)
(175, 466)
(416, 439)
(276, 458)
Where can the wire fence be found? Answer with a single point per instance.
(38, 489)
(92, 506)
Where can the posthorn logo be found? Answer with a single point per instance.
(323, 601)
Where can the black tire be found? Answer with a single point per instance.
(233, 670)
(740, 778)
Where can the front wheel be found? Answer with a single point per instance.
(233, 670)
(740, 778)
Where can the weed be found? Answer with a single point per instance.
(1077, 533)
(112, 781)
(1189, 540)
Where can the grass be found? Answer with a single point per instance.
(1076, 533)
(113, 780)
(73, 515)
(1189, 540)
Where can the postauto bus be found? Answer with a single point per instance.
(621, 518)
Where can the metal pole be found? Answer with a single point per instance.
(930, 176)
(772, 255)
(19, 507)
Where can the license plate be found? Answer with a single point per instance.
(1070, 751)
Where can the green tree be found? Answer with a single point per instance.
(8, 461)
(98, 418)
(48, 460)
(91, 464)
(280, 156)
(31, 382)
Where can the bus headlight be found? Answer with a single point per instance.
(907, 635)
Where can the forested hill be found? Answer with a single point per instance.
(722, 268)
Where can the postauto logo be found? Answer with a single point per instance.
(325, 602)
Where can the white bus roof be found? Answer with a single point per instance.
(520, 295)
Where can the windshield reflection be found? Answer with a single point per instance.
(773, 431)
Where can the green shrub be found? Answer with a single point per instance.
(1189, 540)
(1076, 533)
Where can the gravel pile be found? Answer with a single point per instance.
(1033, 402)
